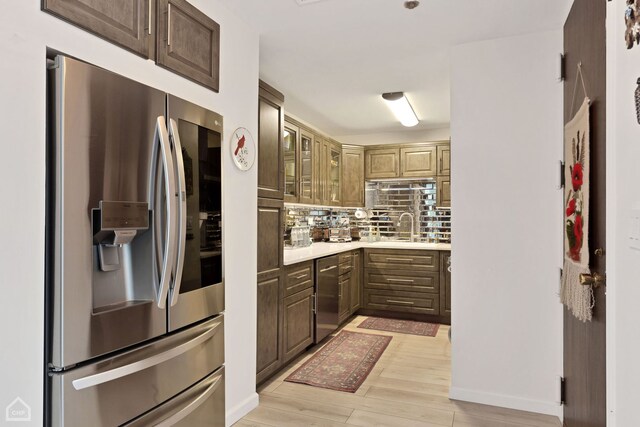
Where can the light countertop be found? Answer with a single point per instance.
(319, 250)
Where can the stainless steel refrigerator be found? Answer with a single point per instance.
(135, 293)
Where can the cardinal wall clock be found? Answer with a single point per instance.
(243, 149)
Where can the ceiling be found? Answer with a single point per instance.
(333, 59)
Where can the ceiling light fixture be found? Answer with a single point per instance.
(399, 105)
(411, 4)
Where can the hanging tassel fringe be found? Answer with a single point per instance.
(578, 298)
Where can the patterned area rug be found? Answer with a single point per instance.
(401, 326)
(343, 363)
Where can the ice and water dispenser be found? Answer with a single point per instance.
(123, 257)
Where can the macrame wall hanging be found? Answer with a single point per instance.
(577, 297)
(632, 24)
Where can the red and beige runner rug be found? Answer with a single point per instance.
(343, 363)
(400, 326)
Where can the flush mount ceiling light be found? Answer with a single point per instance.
(399, 105)
(411, 4)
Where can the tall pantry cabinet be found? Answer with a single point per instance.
(270, 230)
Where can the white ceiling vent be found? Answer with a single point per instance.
(306, 2)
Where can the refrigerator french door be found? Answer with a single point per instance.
(197, 132)
(135, 288)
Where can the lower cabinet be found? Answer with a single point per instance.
(355, 294)
(285, 324)
(344, 291)
(445, 280)
(298, 324)
(409, 282)
(269, 327)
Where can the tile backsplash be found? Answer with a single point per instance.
(385, 203)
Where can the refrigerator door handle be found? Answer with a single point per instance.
(195, 404)
(132, 368)
(182, 209)
(162, 136)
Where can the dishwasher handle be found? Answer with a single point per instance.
(328, 268)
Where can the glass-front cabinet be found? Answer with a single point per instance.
(291, 142)
(306, 167)
(335, 168)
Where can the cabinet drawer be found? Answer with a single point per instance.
(399, 280)
(408, 302)
(298, 277)
(402, 259)
(344, 257)
(345, 267)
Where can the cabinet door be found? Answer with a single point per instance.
(270, 134)
(335, 174)
(324, 177)
(270, 235)
(353, 176)
(127, 23)
(445, 287)
(298, 324)
(318, 170)
(268, 353)
(418, 161)
(444, 160)
(188, 42)
(356, 282)
(344, 289)
(444, 191)
(291, 142)
(382, 163)
(306, 167)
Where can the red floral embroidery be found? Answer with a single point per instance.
(577, 230)
(577, 176)
(571, 207)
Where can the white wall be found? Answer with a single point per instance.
(25, 32)
(506, 133)
(623, 195)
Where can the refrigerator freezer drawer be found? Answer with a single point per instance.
(116, 390)
(200, 406)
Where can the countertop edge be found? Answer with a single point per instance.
(320, 250)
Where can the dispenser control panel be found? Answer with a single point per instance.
(123, 215)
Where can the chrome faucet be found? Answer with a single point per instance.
(411, 239)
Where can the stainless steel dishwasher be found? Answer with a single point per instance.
(327, 309)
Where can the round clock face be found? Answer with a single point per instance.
(243, 149)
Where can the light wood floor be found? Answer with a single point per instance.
(408, 387)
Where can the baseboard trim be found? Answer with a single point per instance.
(242, 409)
(529, 405)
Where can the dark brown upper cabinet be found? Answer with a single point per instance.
(173, 32)
(352, 176)
(127, 23)
(418, 161)
(319, 167)
(444, 160)
(291, 145)
(270, 143)
(306, 167)
(382, 163)
(188, 42)
(334, 174)
(444, 191)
